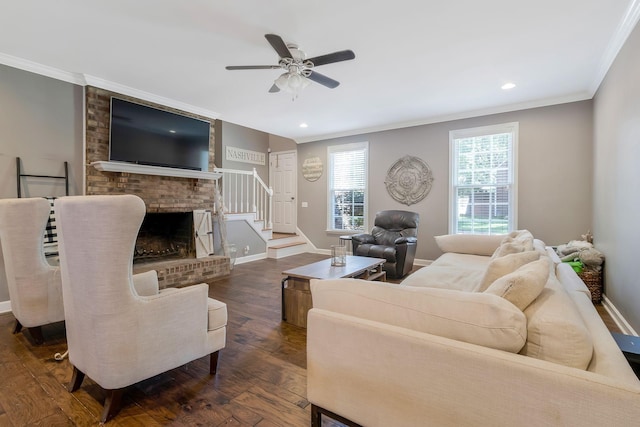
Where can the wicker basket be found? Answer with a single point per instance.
(593, 280)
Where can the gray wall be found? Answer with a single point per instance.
(229, 134)
(554, 174)
(616, 177)
(240, 234)
(279, 143)
(41, 122)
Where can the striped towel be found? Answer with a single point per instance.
(51, 232)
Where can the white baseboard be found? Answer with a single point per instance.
(250, 258)
(617, 317)
(5, 306)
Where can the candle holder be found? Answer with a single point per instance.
(338, 256)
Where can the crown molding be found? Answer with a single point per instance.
(147, 96)
(581, 96)
(618, 40)
(88, 80)
(43, 70)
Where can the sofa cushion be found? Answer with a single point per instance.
(462, 261)
(445, 277)
(555, 330)
(504, 265)
(478, 318)
(523, 285)
(474, 244)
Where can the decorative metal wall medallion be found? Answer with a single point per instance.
(312, 168)
(409, 180)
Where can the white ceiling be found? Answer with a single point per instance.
(417, 61)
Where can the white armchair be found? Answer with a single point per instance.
(120, 328)
(34, 285)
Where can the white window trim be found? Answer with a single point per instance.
(513, 128)
(336, 149)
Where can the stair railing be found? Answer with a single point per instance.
(245, 192)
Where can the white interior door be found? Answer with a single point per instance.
(282, 176)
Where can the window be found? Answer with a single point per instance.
(483, 179)
(347, 181)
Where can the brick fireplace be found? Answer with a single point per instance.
(174, 197)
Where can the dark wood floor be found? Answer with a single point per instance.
(261, 378)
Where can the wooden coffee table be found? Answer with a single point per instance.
(296, 295)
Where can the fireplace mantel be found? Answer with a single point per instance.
(106, 166)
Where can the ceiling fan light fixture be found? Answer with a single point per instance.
(282, 81)
(292, 82)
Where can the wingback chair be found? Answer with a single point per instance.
(394, 238)
(120, 328)
(34, 285)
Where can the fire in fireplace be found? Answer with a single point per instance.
(165, 236)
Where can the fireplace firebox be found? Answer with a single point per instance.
(165, 236)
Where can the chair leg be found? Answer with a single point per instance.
(76, 380)
(112, 404)
(213, 362)
(18, 327)
(36, 333)
(316, 416)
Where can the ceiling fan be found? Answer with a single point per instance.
(298, 69)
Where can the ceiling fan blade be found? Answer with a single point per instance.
(274, 89)
(323, 80)
(252, 67)
(343, 55)
(278, 45)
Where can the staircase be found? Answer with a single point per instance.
(284, 245)
(246, 197)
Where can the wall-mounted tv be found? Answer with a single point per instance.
(148, 136)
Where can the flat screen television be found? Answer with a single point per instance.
(148, 136)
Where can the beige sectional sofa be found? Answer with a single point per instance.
(496, 332)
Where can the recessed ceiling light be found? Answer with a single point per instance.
(304, 125)
(172, 131)
(508, 86)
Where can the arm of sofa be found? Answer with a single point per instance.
(409, 377)
(472, 244)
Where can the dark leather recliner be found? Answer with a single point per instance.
(394, 238)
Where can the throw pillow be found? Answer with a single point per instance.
(504, 265)
(556, 330)
(508, 246)
(524, 237)
(523, 285)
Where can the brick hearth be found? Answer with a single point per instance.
(186, 271)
